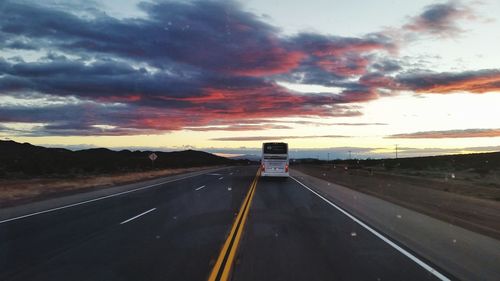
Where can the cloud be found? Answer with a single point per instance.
(237, 42)
(333, 60)
(181, 65)
(432, 151)
(469, 133)
(359, 124)
(264, 138)
(197, 65)
(441, 19)
(386, 65)
(479, 81)
(239, 127)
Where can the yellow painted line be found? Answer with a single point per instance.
(234, 237)
(220, 259)
(232, 253)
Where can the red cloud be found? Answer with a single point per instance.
(267, 62)
(375, 80)
(352, 96)
(239, 127)
(478, 82)
(472, 85)
(250, 105)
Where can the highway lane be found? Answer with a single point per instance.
(175, 233)
(292, 234)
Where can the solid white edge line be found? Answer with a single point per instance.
(141, 214)
(221, 178)
(382, 237)
(199, 187)
(96, 199)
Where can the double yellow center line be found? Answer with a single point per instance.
(224, 262)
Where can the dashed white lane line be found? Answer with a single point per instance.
(221, 178)
(198, 188)
(213, 174)
(139, 215)
(424, 265)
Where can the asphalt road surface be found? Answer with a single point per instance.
(258, 230)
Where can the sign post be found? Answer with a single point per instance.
(153, 157)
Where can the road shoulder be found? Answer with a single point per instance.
(463, 253)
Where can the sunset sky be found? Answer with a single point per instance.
(224, 76)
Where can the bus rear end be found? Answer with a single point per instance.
(274, 161)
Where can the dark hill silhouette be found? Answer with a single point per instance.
(26, 160)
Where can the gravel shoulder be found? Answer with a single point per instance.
(424, 195)
(464, 254)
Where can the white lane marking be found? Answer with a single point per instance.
(221, 178)
(230, 174)
(200, 187)
(213, 174)
(141, 214)
(427, 267)
(96, 199)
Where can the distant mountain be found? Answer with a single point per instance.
(250, 157)
(25, 160)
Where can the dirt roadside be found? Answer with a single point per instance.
(442, 200)
(17, 192)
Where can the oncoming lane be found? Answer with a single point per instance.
(171, 231)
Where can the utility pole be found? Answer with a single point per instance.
(328, 156)
(396, 151)
(350, 155)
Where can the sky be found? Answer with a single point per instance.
(328, 77)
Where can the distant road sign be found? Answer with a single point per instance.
(153, 156)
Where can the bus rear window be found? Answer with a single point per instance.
(275, 148)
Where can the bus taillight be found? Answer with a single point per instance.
(286, 168)
(263, 168)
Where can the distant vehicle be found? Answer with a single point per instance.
(274, 161)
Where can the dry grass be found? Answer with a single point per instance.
(14, 192)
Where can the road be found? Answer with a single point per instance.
(274, 229)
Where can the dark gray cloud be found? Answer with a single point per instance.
(387, 66)
(441, 19)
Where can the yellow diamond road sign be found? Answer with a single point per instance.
(153, 156)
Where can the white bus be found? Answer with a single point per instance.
(274, 161)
